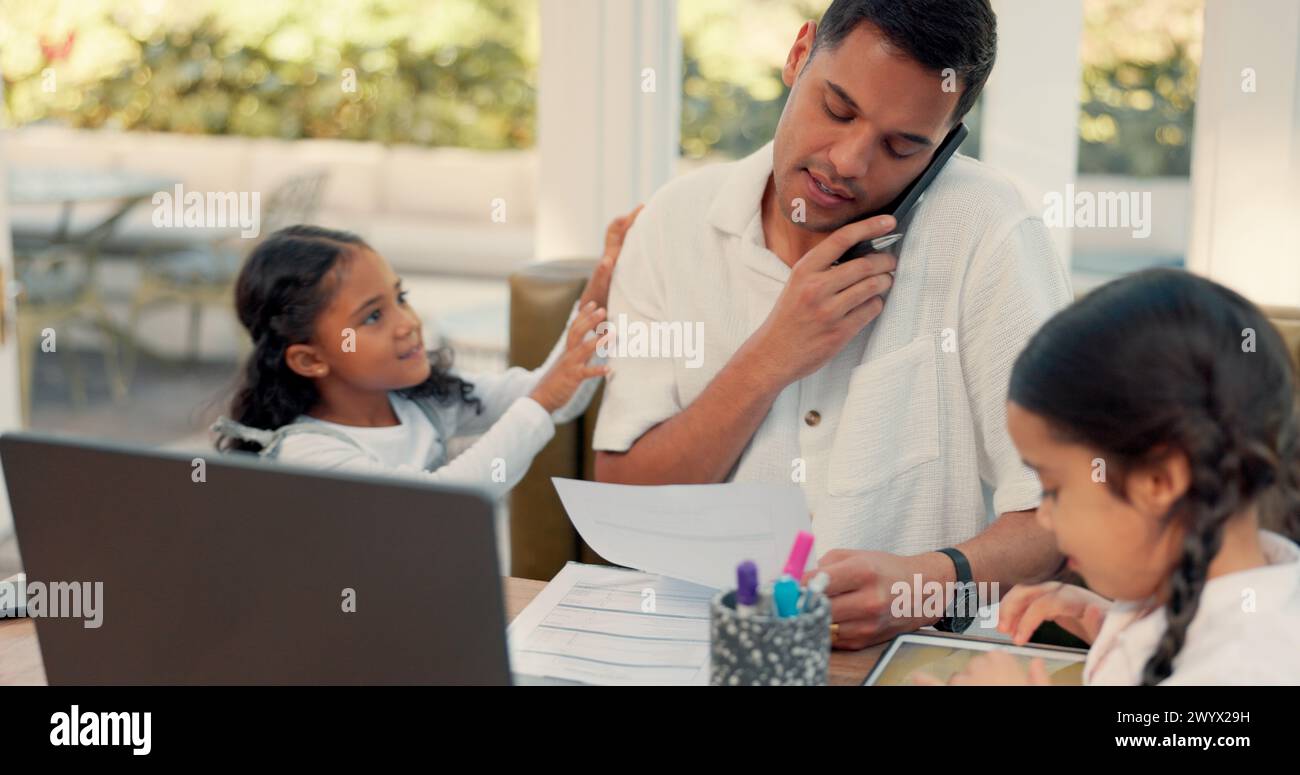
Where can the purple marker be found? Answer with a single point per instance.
(746, 588)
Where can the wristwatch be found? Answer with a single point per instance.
(965, 591)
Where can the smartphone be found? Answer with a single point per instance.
(905, 201)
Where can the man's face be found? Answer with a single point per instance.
(862, 119)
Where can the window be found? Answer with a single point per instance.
(451, 73)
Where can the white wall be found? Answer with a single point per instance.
(1246, 163)
(1031, 103)
(10, 411)
(605, 142)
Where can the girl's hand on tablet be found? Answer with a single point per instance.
(597, 289)
(1079, 611)
(559, 384)
(994, 668)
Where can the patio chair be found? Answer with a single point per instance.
(57, 288)
(204, 275)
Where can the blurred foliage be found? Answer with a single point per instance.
(463, 72)
(732, 95)
(455, 72)
(1140, 67)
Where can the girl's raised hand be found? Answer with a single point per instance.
(597, 289)
(559, 384)
(1079, 611)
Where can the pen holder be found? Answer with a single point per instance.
(766, 650)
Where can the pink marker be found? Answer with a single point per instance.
(799, 555)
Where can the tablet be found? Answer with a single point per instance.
(944, 655)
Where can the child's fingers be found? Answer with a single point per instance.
(590, 319)
(588, 348)
(1038, 673)
(1093, 616)
(628, 220)
(1014, 604)
(588, 372)
(617, 231)
(925, 679)
(580, 353)
(585, 322)
(1045, 607)
(614, 235)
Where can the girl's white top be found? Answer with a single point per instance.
(1246, 630)
(514, 429)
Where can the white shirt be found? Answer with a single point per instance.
(514, 429)
(911, 451)
(1246, 630)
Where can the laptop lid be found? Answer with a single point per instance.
(254, 572)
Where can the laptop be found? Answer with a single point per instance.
(227, 569)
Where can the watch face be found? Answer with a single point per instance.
(960, 624)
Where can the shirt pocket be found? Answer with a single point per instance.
(890, 420)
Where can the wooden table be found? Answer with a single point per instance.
(20, 656)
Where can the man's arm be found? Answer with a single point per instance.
(865, 585)
(1013, 550)
(702, 443)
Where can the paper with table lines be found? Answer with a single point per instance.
(602, 625)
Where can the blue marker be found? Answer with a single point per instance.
(786, 595)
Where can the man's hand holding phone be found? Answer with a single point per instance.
(824, 305)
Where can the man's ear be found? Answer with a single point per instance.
(1155, 487)
(799, 52)
(304, 360)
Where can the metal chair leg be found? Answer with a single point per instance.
(196, 328)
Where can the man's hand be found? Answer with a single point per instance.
(822, 306)
(862, 592)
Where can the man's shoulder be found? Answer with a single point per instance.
(980, 189)
(687, 198)
(976, 208)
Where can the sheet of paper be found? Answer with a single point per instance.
(695, 532)
(613, 626)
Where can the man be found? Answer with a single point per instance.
(878, 385)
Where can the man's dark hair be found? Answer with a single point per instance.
(961, 34)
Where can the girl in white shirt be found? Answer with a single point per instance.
(339, 377)
(1160, 414)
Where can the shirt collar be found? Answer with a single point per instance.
(738, 210)
(740, 197)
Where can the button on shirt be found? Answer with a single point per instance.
(899, 442)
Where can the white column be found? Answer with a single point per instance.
(10, 411)
(1246, 160)
(1030, 119)
(609, 114)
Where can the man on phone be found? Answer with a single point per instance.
(878, 384)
